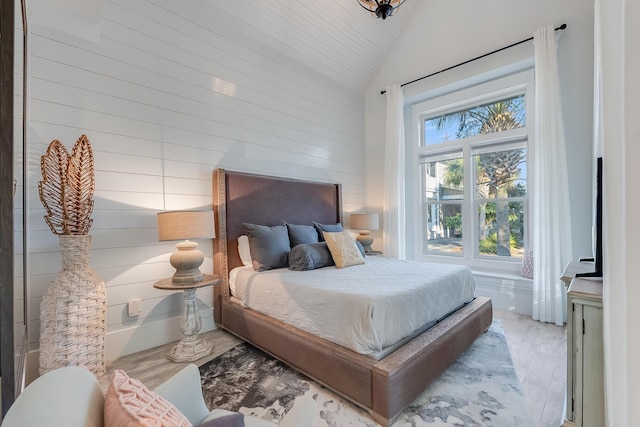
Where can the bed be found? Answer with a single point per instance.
(382, 385)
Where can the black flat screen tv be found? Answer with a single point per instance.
(597, 235)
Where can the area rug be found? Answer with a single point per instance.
(480, 388)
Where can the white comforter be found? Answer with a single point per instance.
(365, 307)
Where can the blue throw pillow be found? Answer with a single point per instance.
(301, 234)
(310, 256)
(269, 246)
(330, 228)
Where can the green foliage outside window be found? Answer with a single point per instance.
(453, 222)
(489, 245)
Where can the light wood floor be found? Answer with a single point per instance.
(539, 353)
(538, 350)
(152, 366)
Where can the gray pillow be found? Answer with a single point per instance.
(330, 228)
(313, 255)
(231, 420)
(310, 256)
(269, 246)
(301, 234)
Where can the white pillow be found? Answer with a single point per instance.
(243, 250)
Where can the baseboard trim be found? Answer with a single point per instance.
(507, 292)
(132, 340)
(148, 335)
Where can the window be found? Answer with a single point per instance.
(472, 171)
(443, 197)
(500, 199)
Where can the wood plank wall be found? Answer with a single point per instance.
(169, 91)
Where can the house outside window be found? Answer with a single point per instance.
(472, 169)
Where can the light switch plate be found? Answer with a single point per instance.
(134, 307)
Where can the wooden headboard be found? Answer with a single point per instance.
(266, 200)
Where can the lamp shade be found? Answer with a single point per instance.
(179, 225)
(365, 221)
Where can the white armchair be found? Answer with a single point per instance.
(71, 396)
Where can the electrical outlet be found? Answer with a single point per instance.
(134, 307)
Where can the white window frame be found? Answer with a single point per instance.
(454, 101)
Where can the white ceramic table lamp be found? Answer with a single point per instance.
(178, 225)
(365, 222)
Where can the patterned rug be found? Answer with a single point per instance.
(481, 388)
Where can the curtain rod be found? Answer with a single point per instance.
(561, 27)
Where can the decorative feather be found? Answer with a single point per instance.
(66, 191)
(54, 172)
(78, 201)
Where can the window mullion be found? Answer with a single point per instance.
(467, 203)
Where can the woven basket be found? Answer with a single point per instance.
(73, 312)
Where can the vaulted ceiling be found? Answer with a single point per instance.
(337, 38)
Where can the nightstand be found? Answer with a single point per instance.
(191, 347)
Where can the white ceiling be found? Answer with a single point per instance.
(337, 38)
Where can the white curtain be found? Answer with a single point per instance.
(551, 216)
(394, 192)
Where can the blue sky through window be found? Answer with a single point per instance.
(482, 119)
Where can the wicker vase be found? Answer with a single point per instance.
(73, 312)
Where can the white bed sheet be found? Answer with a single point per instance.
(365, 307)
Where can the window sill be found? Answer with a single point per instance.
(508, 291)
(485, 266)
(501, 275)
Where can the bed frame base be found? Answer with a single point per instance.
(383, 388)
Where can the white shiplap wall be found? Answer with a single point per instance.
(170, 91)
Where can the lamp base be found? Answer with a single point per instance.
(187, 277)
(366, 241)
(187, 262)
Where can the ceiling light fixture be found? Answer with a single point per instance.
(381, 8)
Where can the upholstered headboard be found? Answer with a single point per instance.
(242, 197)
